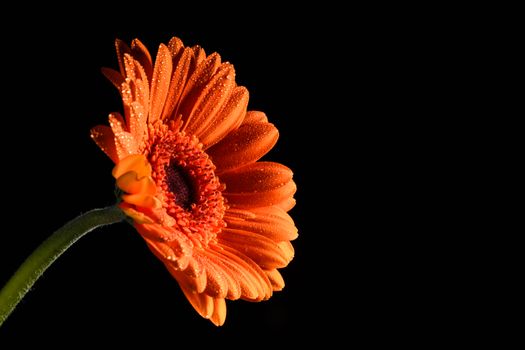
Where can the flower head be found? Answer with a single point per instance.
(186, 157)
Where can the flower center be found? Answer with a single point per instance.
(179, 184)
(190, 191)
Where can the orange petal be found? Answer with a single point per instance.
(231, 277)
(141, 200)
(239, 214)
(258, 184)
(178, 81)
(175, 46)
(137, 122)
(136, 82)
(271, 222)
(276, 279)
(262, 199)
(122, 49)
(126, 93)
(259, 177)
(228, 119)
(105, 139)
(260, 280)
(164, 254)
(287, 249)
(254, 284)
(141, 54)
(155, 232)
(216, 280)
(211, 99)
(141, 85)
(124, 141)
(169, 245)
(202, 303)
(129, 67)
(160, 82)
(245, 145)
(137, 163)
(195, 274)
(219, 312)
(255, 117)
(210, 308)
(244, 275)
(199, 55)
(196, 83)
(287, 204)
(274, 212)
(113, 76)
(131, 183)
(137, 216)
(263, 251)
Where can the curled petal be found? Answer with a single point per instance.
(137, 163)
(131, 183)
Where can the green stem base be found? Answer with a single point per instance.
(35, 265)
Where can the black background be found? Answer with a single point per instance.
(108, 287)
(361, 98)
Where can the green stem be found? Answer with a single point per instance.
(43, 256)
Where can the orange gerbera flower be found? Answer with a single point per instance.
(186, 154)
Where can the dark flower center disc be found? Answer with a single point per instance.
(180, 185)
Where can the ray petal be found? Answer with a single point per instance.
(245, 145)
(141, 54)
(105, 139)
(228, 119)
(160, 83)
(263, 251)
